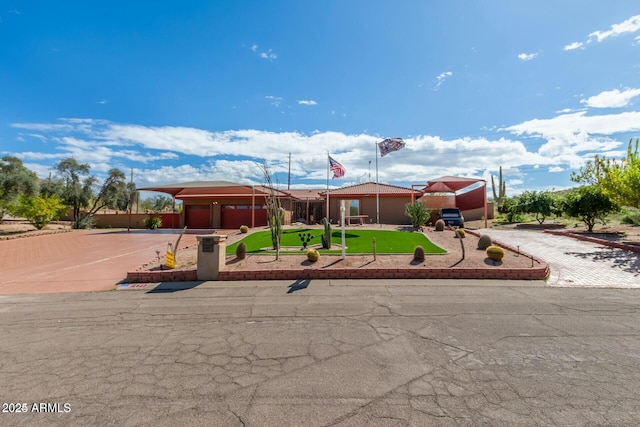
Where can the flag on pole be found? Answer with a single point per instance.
(335, 167)
(389, 145)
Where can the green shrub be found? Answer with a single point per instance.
(495, 253)
(418, 254)
(241, 251)
(313, 255)
(484, 242)
(631, 217)
(244, 229)
(440, 225)
(153, 222)
(40, 211)
(417, 212)
(460, 233)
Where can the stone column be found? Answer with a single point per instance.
(211, 256)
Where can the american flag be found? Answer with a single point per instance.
(389, 145)
(335, 167)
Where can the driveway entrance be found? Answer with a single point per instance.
(82, 260)
(574, 262)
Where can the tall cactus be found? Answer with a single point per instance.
(502, 189)
(326, 236)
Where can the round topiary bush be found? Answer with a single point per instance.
(244, 229)
(440, 225)
(418, 254)
(484, 242)
(460, 233)
(495, 253)
(313, 255)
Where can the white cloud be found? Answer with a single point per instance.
(570, 138)
(631, 25)
(441, 78)
(573, 46)
(268, 55)
(275, 100)
(554, 169)
(611, 98)
(102, 101)
(527, 56)
(628, 26)
(307, 102)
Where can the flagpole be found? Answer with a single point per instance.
(377, 189)
(328, 218)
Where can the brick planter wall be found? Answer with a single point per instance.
(539, 271)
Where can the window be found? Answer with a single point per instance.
(352, 207)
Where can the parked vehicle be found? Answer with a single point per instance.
(452, 216)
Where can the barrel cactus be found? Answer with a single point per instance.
(418, 254)
(244, 229)
(241, 251)
(484, 242)
(313, 255)
(440, 225)
(460, 233)
(495, 253)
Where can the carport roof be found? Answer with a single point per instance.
(203, 189)
(454, 183)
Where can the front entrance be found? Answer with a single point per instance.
(197, 216)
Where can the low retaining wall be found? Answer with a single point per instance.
(626, 247)
(539, 272)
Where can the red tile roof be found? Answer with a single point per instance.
(369, 189)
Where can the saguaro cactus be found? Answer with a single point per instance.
(502, 189)
(326, 236)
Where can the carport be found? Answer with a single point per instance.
(467, 194)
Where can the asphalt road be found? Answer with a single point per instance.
(339, 353)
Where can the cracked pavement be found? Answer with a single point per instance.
(336, 353)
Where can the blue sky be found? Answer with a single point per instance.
(206, 90)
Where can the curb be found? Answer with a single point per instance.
(626, 247)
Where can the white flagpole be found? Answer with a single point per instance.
(328, 217)
(377, 189)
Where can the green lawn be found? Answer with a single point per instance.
(358, 241)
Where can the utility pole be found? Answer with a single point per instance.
(289, 177)
(369, 170)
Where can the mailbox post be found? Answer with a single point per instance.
(211, 256)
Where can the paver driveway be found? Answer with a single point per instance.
(574, 262)
(82, 260)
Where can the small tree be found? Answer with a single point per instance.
(620, 180)
(274, 210)
(76, 187)
(540, 203)
(590, 204)
(40, 210)
(15, 179)
(418, 213)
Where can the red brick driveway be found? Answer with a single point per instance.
(79, 261)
